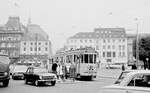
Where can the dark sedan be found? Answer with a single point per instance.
(38, 76)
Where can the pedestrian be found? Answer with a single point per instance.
(54, 68)
(72, 71)
(123, 67)
(59, 72)
(64, 72)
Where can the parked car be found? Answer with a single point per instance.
(18, 71)
(38, 75)
(137, 81)
(4, 69)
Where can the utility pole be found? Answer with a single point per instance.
(36, 37)
(137, 45)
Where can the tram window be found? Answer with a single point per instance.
(94, 58)
(86, 58)
(91, 58)
(82, 59)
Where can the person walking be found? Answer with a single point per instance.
(123, 67)
(54, 68)
(64, 71)
(59, 72)
(72, 71)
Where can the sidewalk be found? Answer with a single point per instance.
(108, 73)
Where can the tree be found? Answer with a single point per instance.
(144, 50)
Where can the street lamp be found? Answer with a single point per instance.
(137, 42)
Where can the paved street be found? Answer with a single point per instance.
(18, 86)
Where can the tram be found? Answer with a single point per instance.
(84, 60)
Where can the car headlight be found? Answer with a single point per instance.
(55, 76)
(5, 73)
(40, 77)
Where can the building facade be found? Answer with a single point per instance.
(130, 39)
(111, 44)
(10, 37)
(35, 46)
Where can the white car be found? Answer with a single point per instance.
(137, 81)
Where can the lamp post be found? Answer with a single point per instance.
(137, 46)
(137, 42)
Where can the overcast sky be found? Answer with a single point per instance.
(64, 18)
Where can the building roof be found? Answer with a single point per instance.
(101, 33)
(13, 25)
(33, 37)
(36, 29)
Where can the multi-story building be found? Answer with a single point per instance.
(111, 44)
(35, 45)
(10, 37)
(130, 40)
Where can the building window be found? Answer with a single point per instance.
(90, 41)
(123, 47)
(97, 47)
(97, 41)
(104, 47)
(39, 49)
(46, 49)
(30, 48)
(35, 43)
(108, 40)
(81, 41)
(31, 43)
(108, 46)
(35, 49)
(123, 54)
(113, 46)
(104, 41)
(114, 54)
(24, 43)
(119, 47)
(120, 54)
(46, 43)
(85, 41)
(24, 49)
(108, 54)
(39, 43)
(103, 54)
(113, 40)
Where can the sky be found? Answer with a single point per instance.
(61, 19)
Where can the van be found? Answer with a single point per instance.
(4, 70)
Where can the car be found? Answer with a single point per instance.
(38, 76)
(137, 81)
(4, 70)
(18, 72)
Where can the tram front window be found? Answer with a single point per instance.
(86, 58)
(91, 58)
(94, 58)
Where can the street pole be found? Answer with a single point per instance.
(36, 47)
(137, 46)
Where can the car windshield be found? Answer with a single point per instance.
(121, 77)
(40, 70)
(4, 59)
(20, 68)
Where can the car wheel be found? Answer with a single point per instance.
(5, 83)
(25, 81)
(53, 83)
(36, 83)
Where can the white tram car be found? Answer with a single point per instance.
(84, 59)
